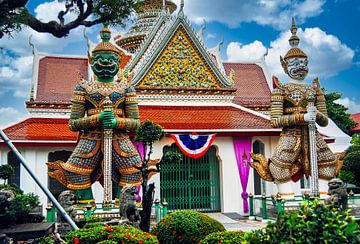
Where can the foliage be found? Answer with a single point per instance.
(185, 226)
(338, 113)
(14, 14)
(171, 157)
(94, 219)
(149, 132)
(352, 167)
(314, 223)
(19, 209)
(12, 187)
(355, 140)
(6, 171)
(46, 240)
(225, 237)
(109, 234)
(350, 172)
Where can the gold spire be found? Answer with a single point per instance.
(105, 45)
(294, 42)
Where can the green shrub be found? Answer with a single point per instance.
(225, 237)
(185, 226)
(110, 234)
(314, 223)
(19, 209)
(46, 240)
(12, 187)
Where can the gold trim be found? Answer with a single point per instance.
(78, 186)
(76, 169)
(86, 201)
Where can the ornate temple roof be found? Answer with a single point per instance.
(252, 88)
(356, 118)
(221, 119)
(41, 130)
(51, 86)
(147, 17)
(176, 58)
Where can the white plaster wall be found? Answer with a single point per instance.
(35, 158)
(230, 186)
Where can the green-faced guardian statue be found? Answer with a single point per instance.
(88, 116)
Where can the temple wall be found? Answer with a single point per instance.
(230, 186)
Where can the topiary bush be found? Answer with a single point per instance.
(314, 223)
(185, 226)
(225, 237)
(110, 234)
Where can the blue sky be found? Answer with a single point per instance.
(328, 30)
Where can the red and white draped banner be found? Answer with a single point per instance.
(193, 145)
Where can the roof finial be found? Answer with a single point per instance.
(164, 5)
(294, 39)
(181, 10)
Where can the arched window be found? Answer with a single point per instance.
(258, 147)
(15, 163)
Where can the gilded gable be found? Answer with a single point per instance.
(180, 65)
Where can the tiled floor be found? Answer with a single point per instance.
(238, 223)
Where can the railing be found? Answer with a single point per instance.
(269, 207)
(158, 211)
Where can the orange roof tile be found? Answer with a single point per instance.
(41, 129)
(251, 84)
(203, 117)
(186, 118)
(356, 118)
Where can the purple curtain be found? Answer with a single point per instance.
(142, 150)
(242, 147)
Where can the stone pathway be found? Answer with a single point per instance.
(242, 224)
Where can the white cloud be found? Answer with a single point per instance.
(210, 36)
(9, 116)
(237, 52)
(353, 106)
(16, 53)
(16, 76)
(275, 13)
(49, 11)
(327, 54)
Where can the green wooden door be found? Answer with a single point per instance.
(191, 183)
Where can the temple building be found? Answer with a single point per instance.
(181, 85)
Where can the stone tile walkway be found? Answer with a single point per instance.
(242, 224)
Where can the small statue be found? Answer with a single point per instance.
(338, 194)
(91, 119)
(6, 196)
(128, 210)
(293, 106)
(67, 200)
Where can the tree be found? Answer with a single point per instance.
(338, 113)
(14, 14)
(350, 172)
(6, 171)
(148, 133)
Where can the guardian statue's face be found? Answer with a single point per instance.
(297, 68)
(105, 65)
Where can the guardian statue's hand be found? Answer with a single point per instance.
(310, 116)
(107, 119)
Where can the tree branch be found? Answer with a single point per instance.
(58, 29)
